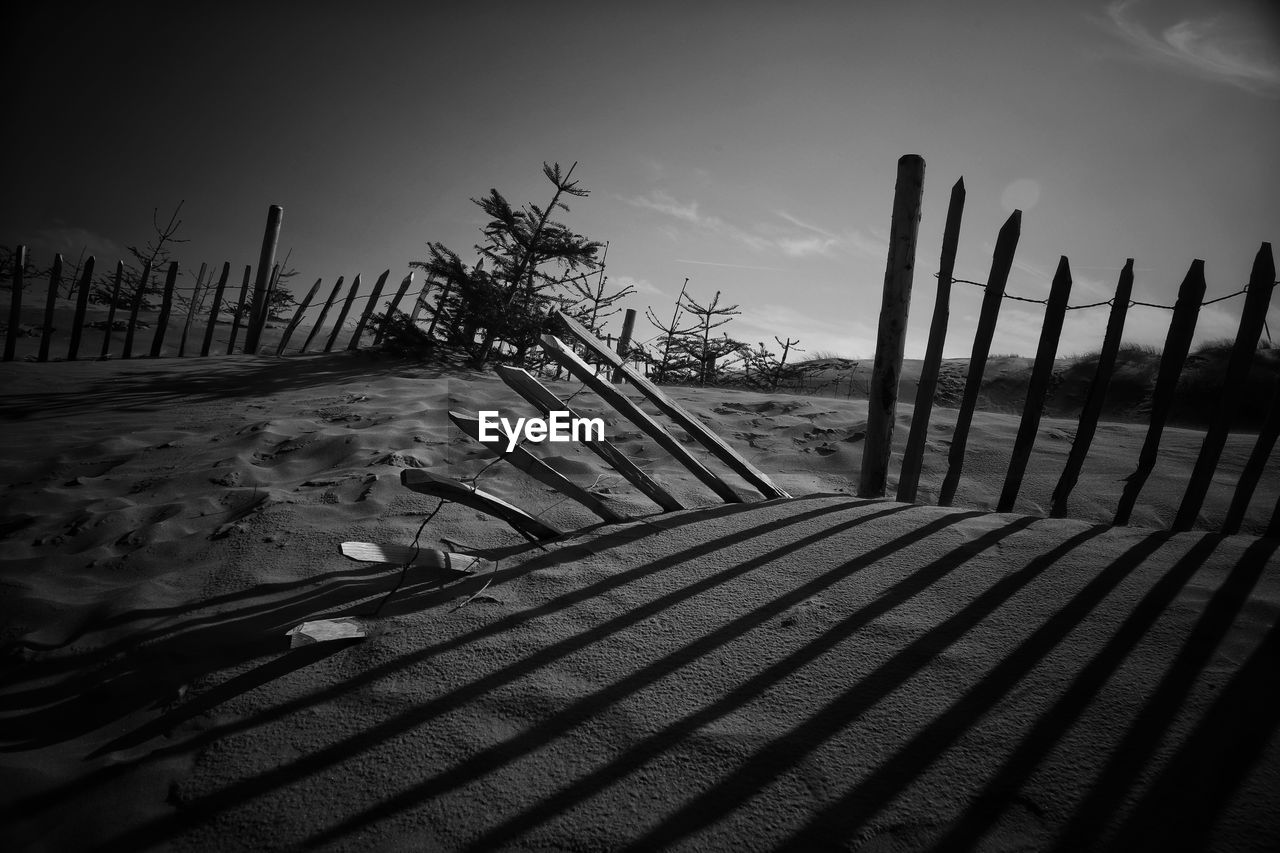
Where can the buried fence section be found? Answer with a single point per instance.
(1041, 375)
(993, 294)
(1096, 396)
(891, 333)
(913, 457)
(1252, 316)
(1176, 346)
(51, 298)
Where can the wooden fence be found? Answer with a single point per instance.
(889, 358)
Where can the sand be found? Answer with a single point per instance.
(822, 672)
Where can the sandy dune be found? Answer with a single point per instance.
(820, 672)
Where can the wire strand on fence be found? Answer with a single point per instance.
(1132, 302)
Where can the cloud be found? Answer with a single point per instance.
(729, 266)
(793, 238)
(1223, 49)
(641, 285)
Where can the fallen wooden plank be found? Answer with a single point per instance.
(436, 486)
(524, 384)
(671, 409)
(416, 558)
(582, 371)
(534, 467)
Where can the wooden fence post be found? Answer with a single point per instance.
(891, 334)
(421, 301)
(368, 310)
(46, 329)
(913, 457)
(239, 315)
(297, 318)
(391, 308)
(266, 261)
(191, 310)
(217, 306)
(324, 312)
(624, 341)
(111, 311)
(1257, 299)
(342, 314)
(133, 310)
(1001, 263)
(82, 304)
(1041, 373)
(1092, 411)
(435, 312)
(1253, 468)
(166, 305)
(1176, 344)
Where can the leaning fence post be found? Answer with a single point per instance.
(266, 260)
(111, 311)
(421, 301)
(913, 457)
(437, 308)
(240, 311)
(1176, 344)
(297, 318)
(368, 310)
(217, 306)
(1092, 410)
(134, 309)
(1253, 468)
(342, 314)
(1256, 300)
(46, 329)
(624, 341)
(324, 312)
(1001, 263)
(15, 302)
(166, 305)
(191, 310)
(391, 308)
(82, 305)
(1041, 373)
(891, 333)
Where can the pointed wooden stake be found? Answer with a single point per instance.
(51, 298)
(82, 305)
(368, 310)
(215, 308)
(342, 314)
(297, 318)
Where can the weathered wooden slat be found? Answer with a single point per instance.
(1256, 300)
(624, 341)
(435, 313)
(111, 310)
(324, 312)
(1176, 345)
(524, 384)
(891, 329)
(354, 344)
(415, 558)
(426, 483)
(266, 262)
(191, 309)
(166, 306)
(215, 308)
(342, 314)
(525, 461)
(50, 301)
(913, 456)
(1253, 469)
(15, 302)
(1041, 374)
(694, 427)
(582, 371)
(1092, 411)
(134, 308)
(391, 309)
(297, 318)
(82, 305)
(239, 316)
(421, 300)
(1001, 263)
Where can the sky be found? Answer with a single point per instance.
(750, 147)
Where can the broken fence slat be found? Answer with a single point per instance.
(416, 558)
(671, 409)
(582, 371)
(524, 384)
(426, 483)
(535, 467)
